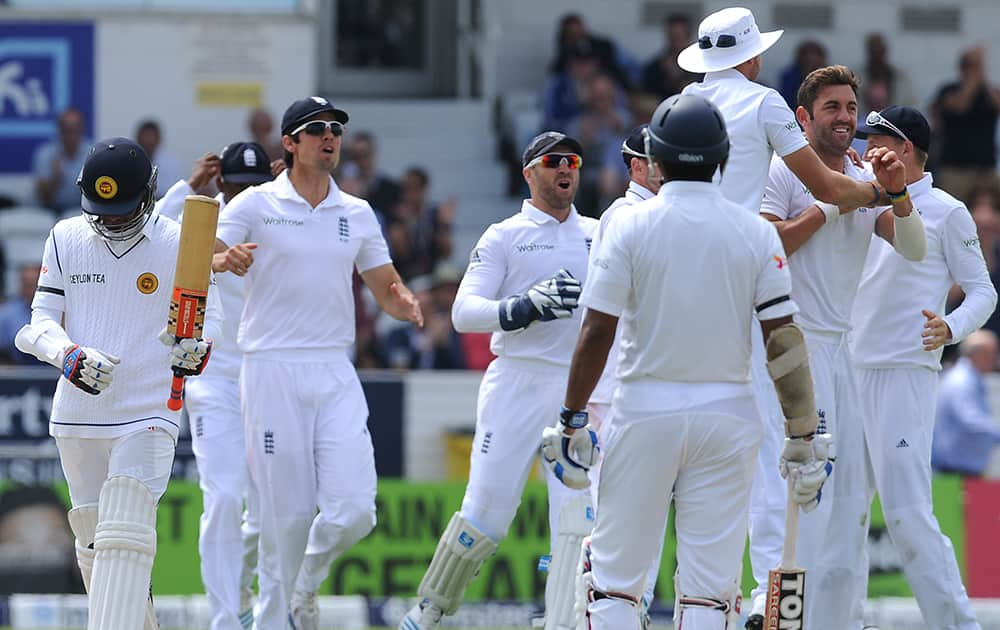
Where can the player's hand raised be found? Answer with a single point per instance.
(89, 369)
(237, 259)
(570, 455)
(808, 462)
(888, 168)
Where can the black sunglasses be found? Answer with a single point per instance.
(319, 127)
(722, 41)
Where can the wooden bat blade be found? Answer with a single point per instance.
(194, 266)
(785, 599)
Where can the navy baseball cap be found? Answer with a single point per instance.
(115, 177)
(302, 110)
(900, 121)
(635, 143)
(546, 141)
(245, 163)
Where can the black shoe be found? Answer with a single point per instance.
(755, 622)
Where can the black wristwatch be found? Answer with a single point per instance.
(572, 419)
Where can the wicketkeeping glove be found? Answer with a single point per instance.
(554, 298)
(570, 456)
(89, 369)
(809, 462)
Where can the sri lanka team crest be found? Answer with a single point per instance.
(106, 187)
(147, 283)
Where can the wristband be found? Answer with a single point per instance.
(899, 197)
(572, 419)
(829, 210)
(878, 194)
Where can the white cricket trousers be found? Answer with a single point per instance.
(705, 454)
(308, 447)
(833, 538)
(899, 406)
(213, 406)
(517, 400)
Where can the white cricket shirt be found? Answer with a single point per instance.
(226, 356)
(510, 258)
(886, 317)
(759, 122)
(117, 302)
(685, 272)
(827, 268)
(605, 390)
(298, 291)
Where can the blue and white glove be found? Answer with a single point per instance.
(554, 298)
(809, 462)
(569, 457)
(188, 357)
(88, 369)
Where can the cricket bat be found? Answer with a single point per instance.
(786, 585)
(191, 277)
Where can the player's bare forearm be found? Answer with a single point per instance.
(795, 232)
(391, 294)
(596, 337)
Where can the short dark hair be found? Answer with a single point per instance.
(824, 77)
(677, 18)
(148, 125)
(420, 174)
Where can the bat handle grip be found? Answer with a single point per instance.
(791, 527)
(176, 393)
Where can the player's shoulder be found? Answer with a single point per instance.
(588, 224)
(943, 203)
(355, 203)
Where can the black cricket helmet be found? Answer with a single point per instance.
(118, 183)
(688, 130)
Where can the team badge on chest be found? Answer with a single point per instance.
(147, 283)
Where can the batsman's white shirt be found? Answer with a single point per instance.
(510, 258)
(605, 390)
(890, 336)
(827, 268)
(692, 235)
(759, 123)
(296, 252)
(115, 300)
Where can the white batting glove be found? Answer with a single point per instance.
(89, 369)
(810, 463)
(570, 456)
(187, 356)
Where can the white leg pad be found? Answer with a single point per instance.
(459, 555)
(125, 544)
(83, 522)
(576, 520)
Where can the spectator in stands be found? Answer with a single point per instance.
(437, 346)
(564, 92)
(260, 124)
(661, 76)
(876, 95)
(809, 55)
(878, 69)
(985, 208)
(149, 136)
(965, 431)
(573, 38)
(378, 189)
(419, 233)
(965, 114)
(56, 164)
(15, 313)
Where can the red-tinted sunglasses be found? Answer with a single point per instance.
(555, 160)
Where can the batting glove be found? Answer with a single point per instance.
(89, 369)
(570, 456)
(809, 462)
(190, 356)
(554, 298)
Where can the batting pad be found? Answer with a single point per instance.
(576, 520)
(83, 522)
(788, 365)
(459, 554)
(125, 544)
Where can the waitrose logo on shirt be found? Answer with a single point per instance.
(282, 221)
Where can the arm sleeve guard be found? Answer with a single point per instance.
(788, 365)
(909, 239)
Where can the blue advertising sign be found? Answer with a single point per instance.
(45, 67)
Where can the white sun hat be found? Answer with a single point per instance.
(726, 39)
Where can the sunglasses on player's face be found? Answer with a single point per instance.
(555, 160)
(319, 127)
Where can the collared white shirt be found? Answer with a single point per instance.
(510, 258)
(298, 291)
(116, 299)
(685, 272)
(759, 122)
(827, 268)
(886, 317)
(635, 193)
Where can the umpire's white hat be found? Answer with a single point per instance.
(726, 39)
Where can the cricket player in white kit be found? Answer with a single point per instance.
(102, 301)
(304, 412)
(896, 346)
(827, 248)
(522, 285)
(759, 122)
(227, 544)
(684, 271)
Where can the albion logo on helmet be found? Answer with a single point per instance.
(690, 157)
